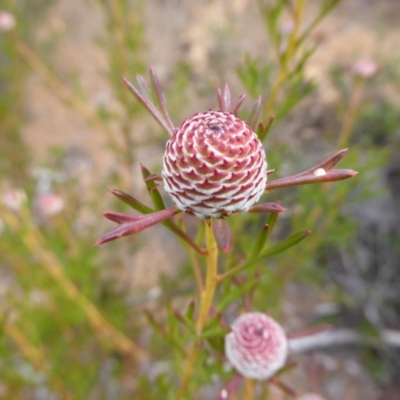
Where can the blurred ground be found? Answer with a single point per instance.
(213, 37)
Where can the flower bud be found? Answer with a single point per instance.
(257, 346)
(13, 199)
(214, 165)
(49, 204)
(366, 68)
(7, 21)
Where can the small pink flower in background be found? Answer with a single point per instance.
(257, 346)
(311, 396)
(365, 68)
(214, 165)
(13, 198)
(48, 205)
(286, 28)
(7, 21)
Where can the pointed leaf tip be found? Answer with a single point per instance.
(130, 224)
(267, 207)
(285, 244)
(120, 218)
(144, 169)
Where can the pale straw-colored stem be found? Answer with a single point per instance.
(206, 298)
(248, 389)
(211, 275)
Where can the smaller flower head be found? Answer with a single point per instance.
(366, 68)
(257, 346)
(7, 21)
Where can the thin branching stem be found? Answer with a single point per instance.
(211, 274)
(325, 11)
(285, 60)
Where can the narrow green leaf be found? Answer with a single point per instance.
(185, 322)
(190, 311)
(214, 332)
(259, 242)
(326, 8)
(170, 332)
(263, 236)
(152, 189)
(284, 245)
(236, 292)
(171, 318)
(262, 130)
(299, 68)
(154, 323)
(176, 342)
(279, 248)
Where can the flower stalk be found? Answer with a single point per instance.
(287, 57)
(206, 298)
(210, 284)
(249, 385)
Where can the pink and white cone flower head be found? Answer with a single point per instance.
(214, 165)
(257, 346)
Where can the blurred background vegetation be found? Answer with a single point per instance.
(72, 319)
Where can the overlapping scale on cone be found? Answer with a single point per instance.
(214, 165)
